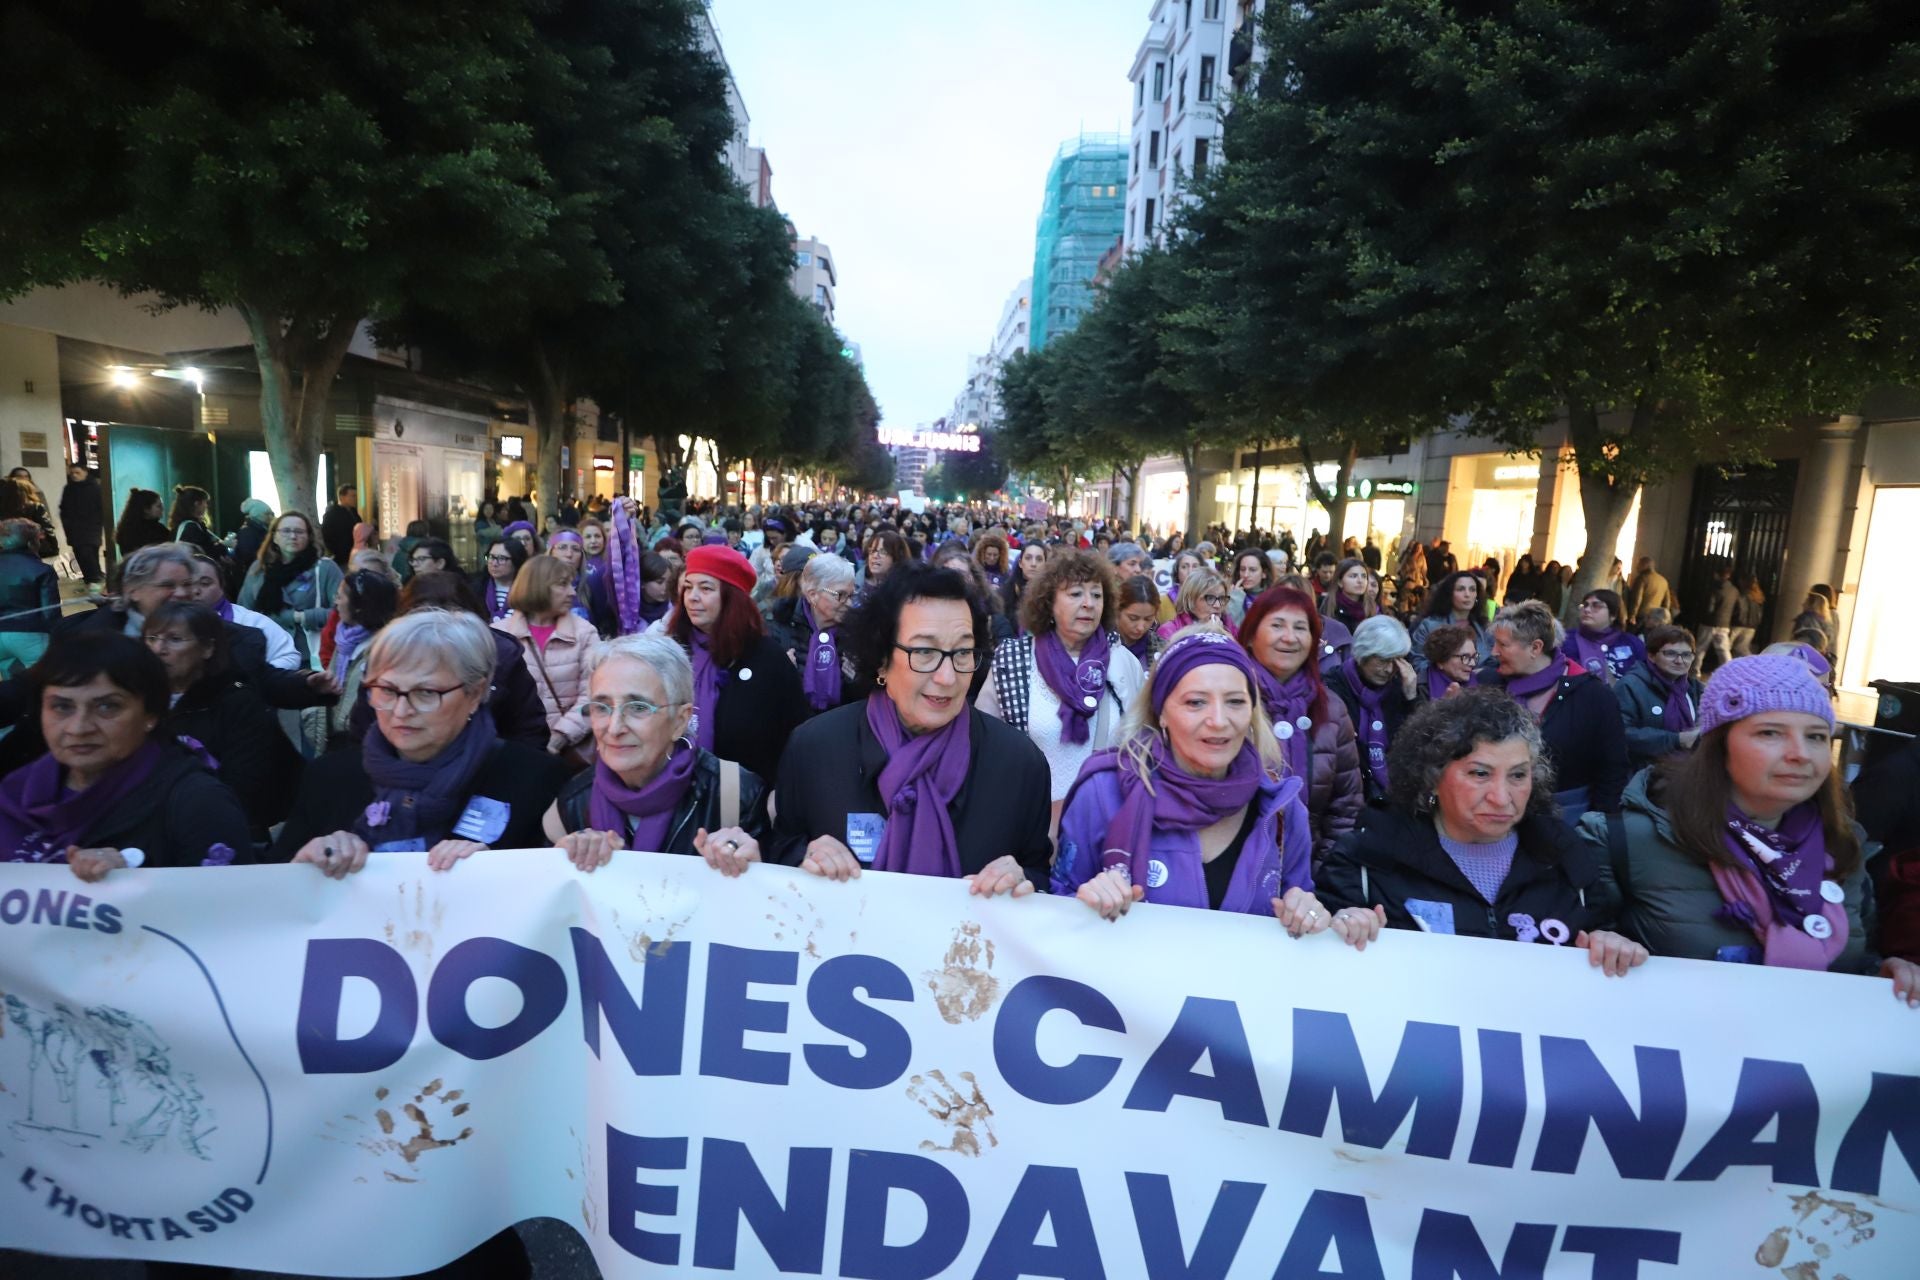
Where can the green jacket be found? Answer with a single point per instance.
(1670, 900)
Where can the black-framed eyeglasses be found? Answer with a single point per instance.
(385, 697)
(1217, 602)
(493, 559)
(926, 661)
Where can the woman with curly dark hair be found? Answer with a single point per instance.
(1471, 842)
(912, 778)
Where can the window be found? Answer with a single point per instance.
(1140, 92)
(1113, 189)
(1189, 15)
(1153, 150)
(1212, 12)
(1159, 81)
(1181, 103)
(1136, 159)
(1149, 222)
(1206, 79)
(1200, 146)
(820, 295)
(804, 258)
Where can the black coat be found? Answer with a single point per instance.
(760, 705)
(1641, 696)
(1395, 705)
(176, 819)
(336, 532)
(1396, 858)
(698, 809)
(201, 539)
(832, 769)
(83, 513)
(784, 626)
(1587, 740)
(246, 546)
(257, 761)
(246, 656)
(513, 701)
(142, 533)
(336, 790)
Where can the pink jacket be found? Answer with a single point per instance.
(559, 673)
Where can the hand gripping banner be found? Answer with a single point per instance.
(258, 1067)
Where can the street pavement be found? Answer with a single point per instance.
(557, 1250)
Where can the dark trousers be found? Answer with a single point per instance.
(88, 558)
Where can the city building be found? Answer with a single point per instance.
(814, 277)
(977, 401)
(1179, 80)
(1014, 332)
(1246, 50)
(749, 163)
(1080, 217)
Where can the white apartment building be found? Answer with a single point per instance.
(1179, 80)
(748, 162)
(978, 401)
(815, 278)
(1015, 332)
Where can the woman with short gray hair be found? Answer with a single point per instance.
(650, 787)
(1472, 843)
(1376, 682)
(1576, 712)
(807, 626)
(432, 774)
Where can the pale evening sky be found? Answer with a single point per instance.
(914, 139)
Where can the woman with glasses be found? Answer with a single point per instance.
(1660, 700)
(1601, 643)
(808, 627)
(746, 695)
(1377, 684)
(1452, 654)
(432, 773)
(291, 582)
(1067, 680)
(650, 787)
(432, 555)
(1458, 601)
(500, 564)
(913, 779)
(1203, 596)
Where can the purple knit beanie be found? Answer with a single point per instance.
(1766, 682)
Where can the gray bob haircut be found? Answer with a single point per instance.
(140, 568)
(825, 572)
(660, 651)
(1531, 620)
(427, 637)
(1381, 637)
(1125, 550)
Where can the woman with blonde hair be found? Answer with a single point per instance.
(1191, 808)
(555, 640)
(291, 582)
(1203, 598)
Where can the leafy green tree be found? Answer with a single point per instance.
(307, 166)
(1680, 227)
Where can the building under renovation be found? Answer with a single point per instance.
(1081, 219)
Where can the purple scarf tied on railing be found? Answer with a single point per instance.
(642, 816)
(1078, 685)
(922, 777)
(623, 568)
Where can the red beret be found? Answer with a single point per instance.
(724, 563)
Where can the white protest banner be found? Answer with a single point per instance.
(258, 1067)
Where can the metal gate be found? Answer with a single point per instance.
(1739, 517)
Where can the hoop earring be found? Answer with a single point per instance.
(682, 741)
(881, 680)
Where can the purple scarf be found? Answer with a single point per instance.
(40, 818)
(497, 606)
(1142, 649)
(1287, 702)
(1776, 888)
(1372, 729)
(649, 808)
(651, 611)
(1078, 686)
(347, 639)
(708, 678)
(922, 776)
(421, 801)
(1677, 713)
(1438, 682)
(1524, 687)
(1177, 801)
(623, 567)
(224, 609)
(1595, 653)
(820, 679)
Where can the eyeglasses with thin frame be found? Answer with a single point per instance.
(926, 660)
(601, 710)
(1216, 602)
(385, 697)
(1676, 655)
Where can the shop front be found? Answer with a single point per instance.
(428, 463)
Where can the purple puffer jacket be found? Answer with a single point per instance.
(1276, 857)
(1335, 792)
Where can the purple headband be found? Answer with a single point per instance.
(566, 535)
(517, 525)
(1198, 650)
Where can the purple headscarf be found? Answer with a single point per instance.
(650, 807)
(1078, 685)
(39, 817)
(518, 525)
(922, 777)
(1200, 649)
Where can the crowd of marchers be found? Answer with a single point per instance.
(1022, 706)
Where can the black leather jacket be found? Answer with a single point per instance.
(699, 808)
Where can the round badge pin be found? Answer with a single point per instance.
(1817, 927)
(1659, 711)
(1832, 892)
(1090, 701)
(1283, 731)
(1377, 726)
(746, 673)
(1304, 723)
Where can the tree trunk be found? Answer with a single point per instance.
(1335, 503)
(1254, 524)
(547, 404)
(293, 418)
(1133, 495)
(1604, 499)
(1190, 459)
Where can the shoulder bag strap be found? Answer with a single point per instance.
(1617, 849)
(729, 793)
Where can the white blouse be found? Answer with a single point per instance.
(1124, 676)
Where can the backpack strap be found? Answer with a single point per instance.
(729, 793)
(1617, 848)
